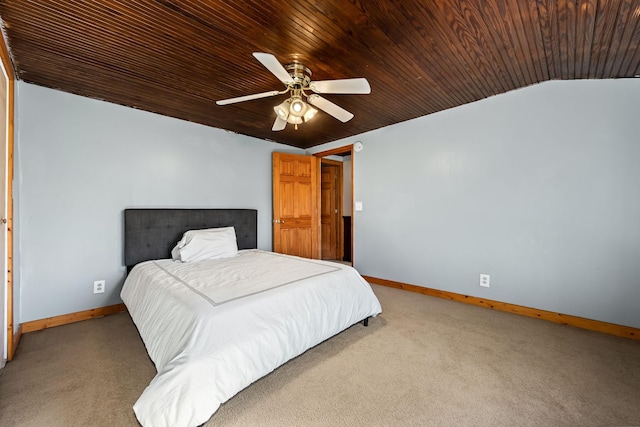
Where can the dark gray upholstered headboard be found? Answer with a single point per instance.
(152, 233)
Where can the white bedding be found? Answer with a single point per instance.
(214, 327)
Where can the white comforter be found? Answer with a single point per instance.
(214, 327)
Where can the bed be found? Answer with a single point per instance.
(213, 326)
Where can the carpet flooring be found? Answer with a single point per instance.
(423, 362)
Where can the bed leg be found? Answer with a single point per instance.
(365, 322)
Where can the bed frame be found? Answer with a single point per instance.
(152, 233)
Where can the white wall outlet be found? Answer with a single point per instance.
(98, 286)
(485, 280)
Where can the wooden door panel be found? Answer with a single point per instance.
(304, 242)
(325, 193)
(287, 209)
(326, 209)
(288, 239)
(304, 198)
(296, 241)
(287, 167)
(303, 169)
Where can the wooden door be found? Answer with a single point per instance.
(331, 209)
(296, 221)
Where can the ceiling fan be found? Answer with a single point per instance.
(297, 79)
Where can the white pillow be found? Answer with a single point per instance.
(211, 243)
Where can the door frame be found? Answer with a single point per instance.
(12, 337)
(344, 150)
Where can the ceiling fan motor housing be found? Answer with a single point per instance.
(300, 73)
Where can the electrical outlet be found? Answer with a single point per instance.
(485, 280)
(98, 286)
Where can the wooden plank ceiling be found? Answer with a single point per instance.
(177, 57)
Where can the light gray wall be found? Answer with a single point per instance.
(538, 187)
(346, 188)
(80, 162)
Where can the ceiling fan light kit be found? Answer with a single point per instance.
(295, 111)
(298, 106)
(297, 79)
(308, 115)
(282, 110)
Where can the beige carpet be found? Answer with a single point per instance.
(424, 361)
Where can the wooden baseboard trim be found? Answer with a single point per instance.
(50, 322)
(16, 340)
(564, 319)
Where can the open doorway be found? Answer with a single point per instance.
(336, 178)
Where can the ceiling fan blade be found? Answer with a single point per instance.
(247, 97)
(272, 64)
(279, 124)
(330, 108)
(353, 86)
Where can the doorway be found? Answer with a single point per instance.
(341, 159)
(331, 224)
(297, 204)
